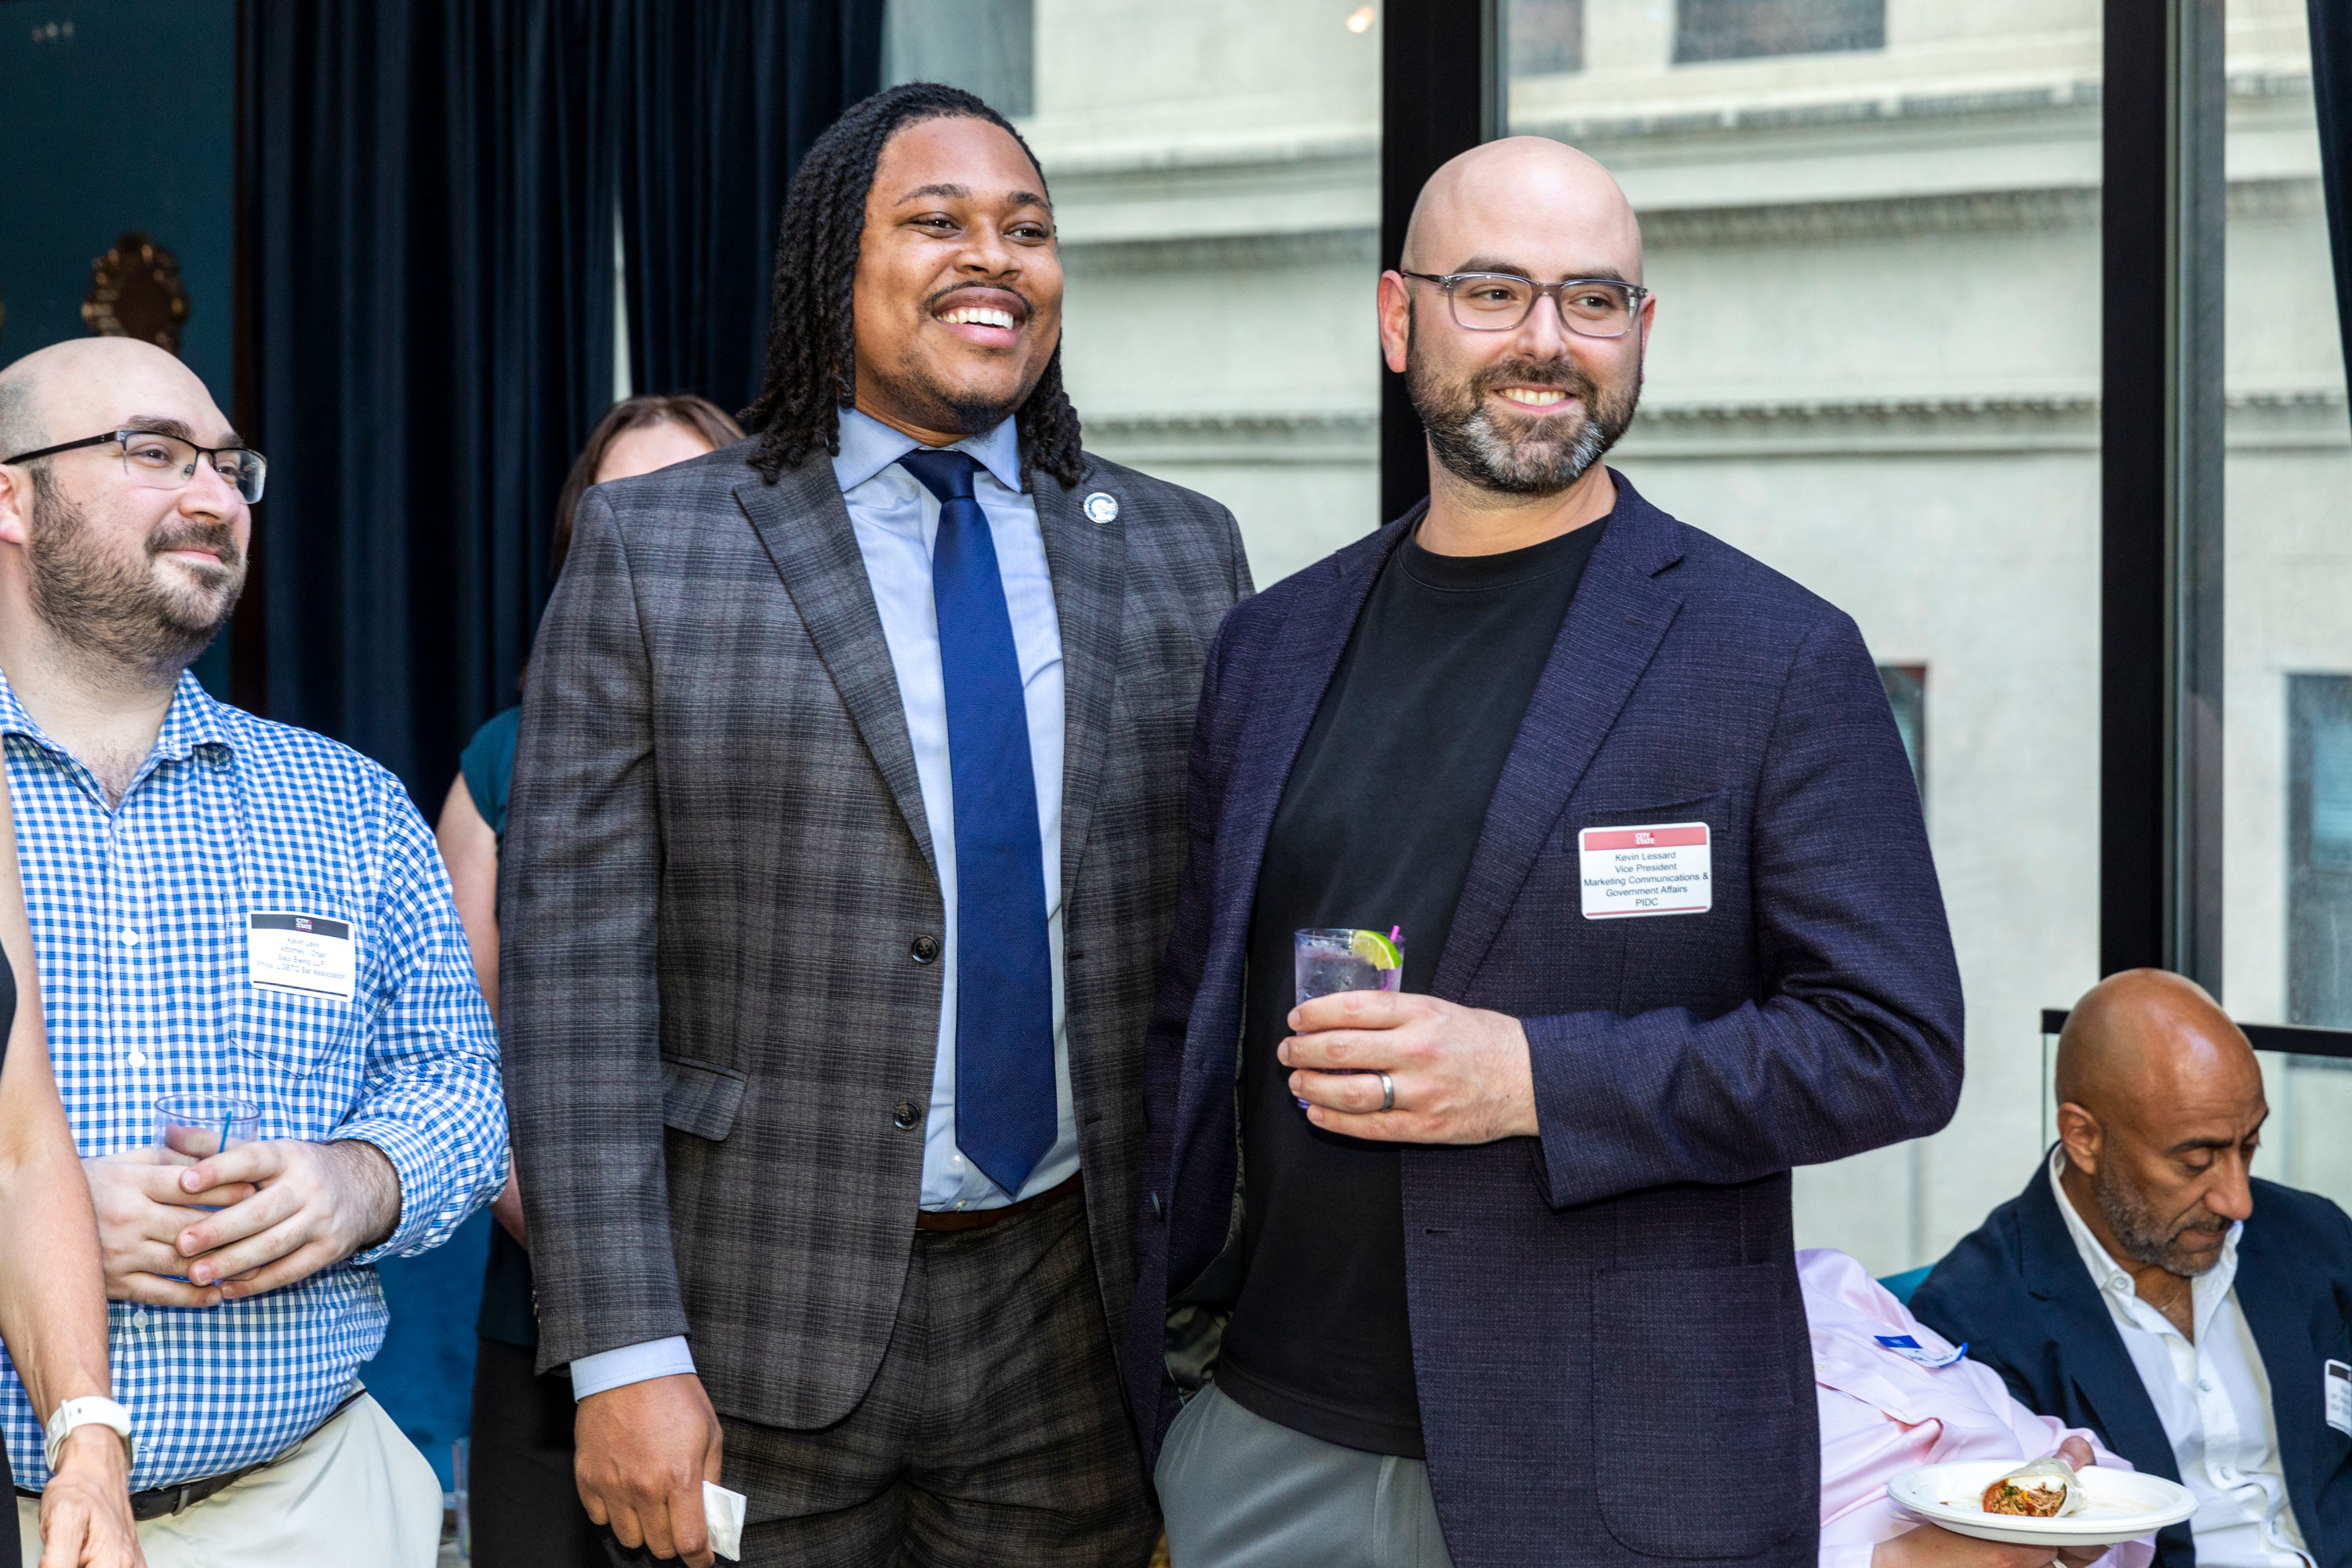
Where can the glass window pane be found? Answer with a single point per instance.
(2310, 1105)
(1743, 29)
(1215, 174)
(1874, 232)
(1906, 693)
(1545, 36)
(2319, 850)
(985, 47)
(2286, 633)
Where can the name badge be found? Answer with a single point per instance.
(1667, 869)
(304, 955)
(1909, 1347)
(2338, 1382)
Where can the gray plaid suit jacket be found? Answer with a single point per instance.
(715, 870)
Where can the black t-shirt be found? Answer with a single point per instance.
(1375, 829)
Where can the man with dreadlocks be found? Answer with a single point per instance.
(845, 836)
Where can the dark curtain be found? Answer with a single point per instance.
(2331, 86)
(716, 104)
(426, 234)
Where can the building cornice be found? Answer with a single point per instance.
(1833, 222)
(2292, 419)
(1806, 224)
(1746, 115)
(2315, 419)
(1355, 247)
(1858, 105)
(1278, 437)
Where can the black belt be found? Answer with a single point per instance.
(980, 1219)
(162, 1502)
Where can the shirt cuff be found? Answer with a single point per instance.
(416, 1166)
(631, 1364)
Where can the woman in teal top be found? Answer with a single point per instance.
(525, 1507)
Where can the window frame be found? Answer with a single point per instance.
(1443, 82)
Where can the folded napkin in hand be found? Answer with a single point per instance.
(722, 1510)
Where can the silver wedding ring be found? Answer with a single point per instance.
(1388, 1093)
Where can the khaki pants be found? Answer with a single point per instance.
(355, 1494)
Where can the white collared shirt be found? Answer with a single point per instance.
(2213, 1398)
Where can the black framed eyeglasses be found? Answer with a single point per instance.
(1499, 301)
(158, 462)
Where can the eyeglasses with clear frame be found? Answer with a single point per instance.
(155, 461)
(1499, 301)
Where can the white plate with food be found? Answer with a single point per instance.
(2099, 1507)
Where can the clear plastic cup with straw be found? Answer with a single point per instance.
(193, 1127)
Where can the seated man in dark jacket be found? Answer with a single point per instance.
(2146, 1286)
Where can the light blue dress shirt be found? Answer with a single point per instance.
(896, 521)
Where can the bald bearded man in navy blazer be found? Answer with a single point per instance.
(1518, 1285)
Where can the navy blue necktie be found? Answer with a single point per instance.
(1004, 988)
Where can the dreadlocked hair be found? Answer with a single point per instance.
(811, 344)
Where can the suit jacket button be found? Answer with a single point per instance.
(924, 949)
(906, 1113)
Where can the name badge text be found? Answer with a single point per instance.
(1663, 869)
(301, 955)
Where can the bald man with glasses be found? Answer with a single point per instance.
(1499, 1271)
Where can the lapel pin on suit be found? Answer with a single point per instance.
(1103, 507)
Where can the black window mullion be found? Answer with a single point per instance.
(1440, 94)
(2161, 442)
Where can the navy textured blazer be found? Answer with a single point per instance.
(2016, 1290)
(1608, 1339)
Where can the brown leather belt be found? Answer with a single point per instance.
(980, 1219)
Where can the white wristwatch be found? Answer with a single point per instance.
(91, 1410)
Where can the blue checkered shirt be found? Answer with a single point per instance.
(139, 916)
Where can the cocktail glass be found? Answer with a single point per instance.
(1327, 960)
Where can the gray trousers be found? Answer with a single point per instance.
(1241, 1491)
(993, 1434)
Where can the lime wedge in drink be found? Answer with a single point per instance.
(1376, 949)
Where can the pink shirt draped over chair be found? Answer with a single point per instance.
(1883, 1413)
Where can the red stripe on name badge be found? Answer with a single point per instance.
(1641, 837)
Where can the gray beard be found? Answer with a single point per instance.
(1480, 451)
(1477, 447)
(2146, 1238)
(109, 610)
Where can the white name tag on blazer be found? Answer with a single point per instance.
(303, 954)
(2339, 1380)
(1666, 870)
